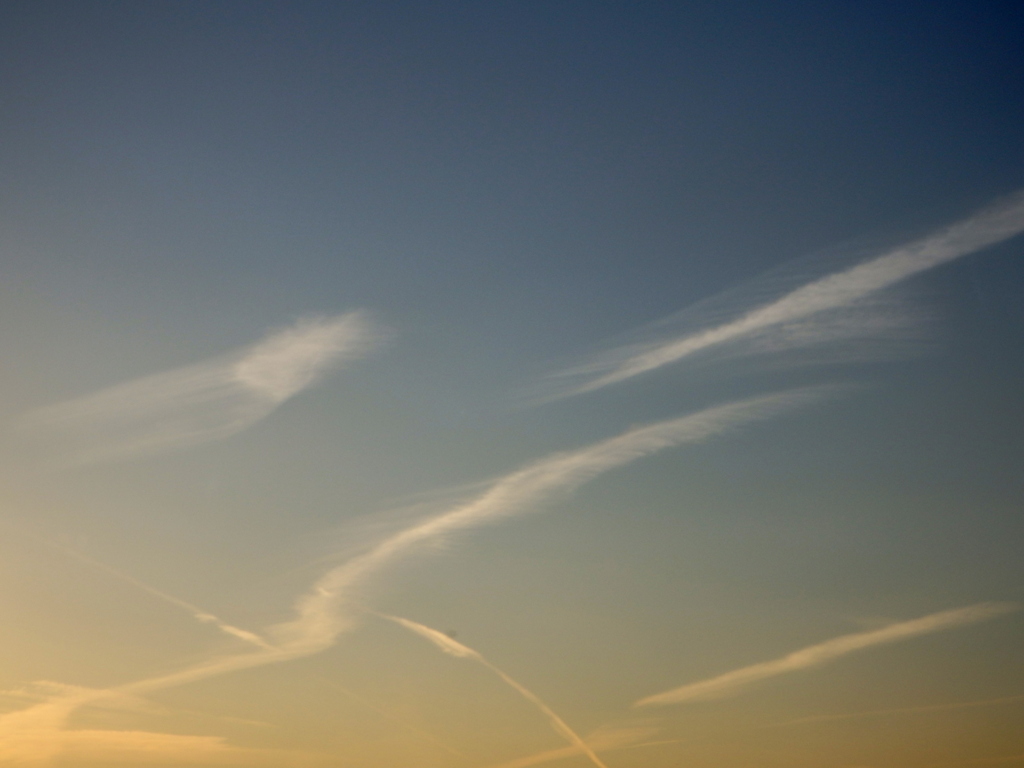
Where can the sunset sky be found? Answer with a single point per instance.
(499, 384)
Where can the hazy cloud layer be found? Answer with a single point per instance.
(822, 653)
(830, 308)
(207, 401)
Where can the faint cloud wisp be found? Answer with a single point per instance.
(207, 401)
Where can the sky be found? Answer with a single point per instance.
(479, 385)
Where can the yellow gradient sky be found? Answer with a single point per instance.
(491, 385)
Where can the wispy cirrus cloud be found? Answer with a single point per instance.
(833, 307)
(822, 653)
(329, 609)
(208, 401)
(453, 647)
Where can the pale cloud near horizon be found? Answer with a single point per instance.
(211, 400)
(822, 653)
(37, 736)
(829, 308)
(453, 647)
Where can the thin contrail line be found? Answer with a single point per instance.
(453, 647)
(822, 653)
(250, 637)
(197, 613)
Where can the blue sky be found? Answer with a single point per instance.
(319, 312)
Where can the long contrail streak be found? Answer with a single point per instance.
(822, 653)
(989, 226)
(453, 647)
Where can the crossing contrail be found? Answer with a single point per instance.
(453, 647)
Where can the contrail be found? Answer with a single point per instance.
(207, 401)
(453, 647)
(822, 653)
(197, 613)
(989, 226)
(325, 611)
(208, 618)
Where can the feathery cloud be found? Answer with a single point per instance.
(207, 401)
(822, 653)
(823, 309)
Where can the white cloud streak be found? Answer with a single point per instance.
(324, 612)
(207, 401)
(453, 647)
(822, 653)
(790, 316)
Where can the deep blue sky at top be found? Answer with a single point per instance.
(536, 174)
(509, 184)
